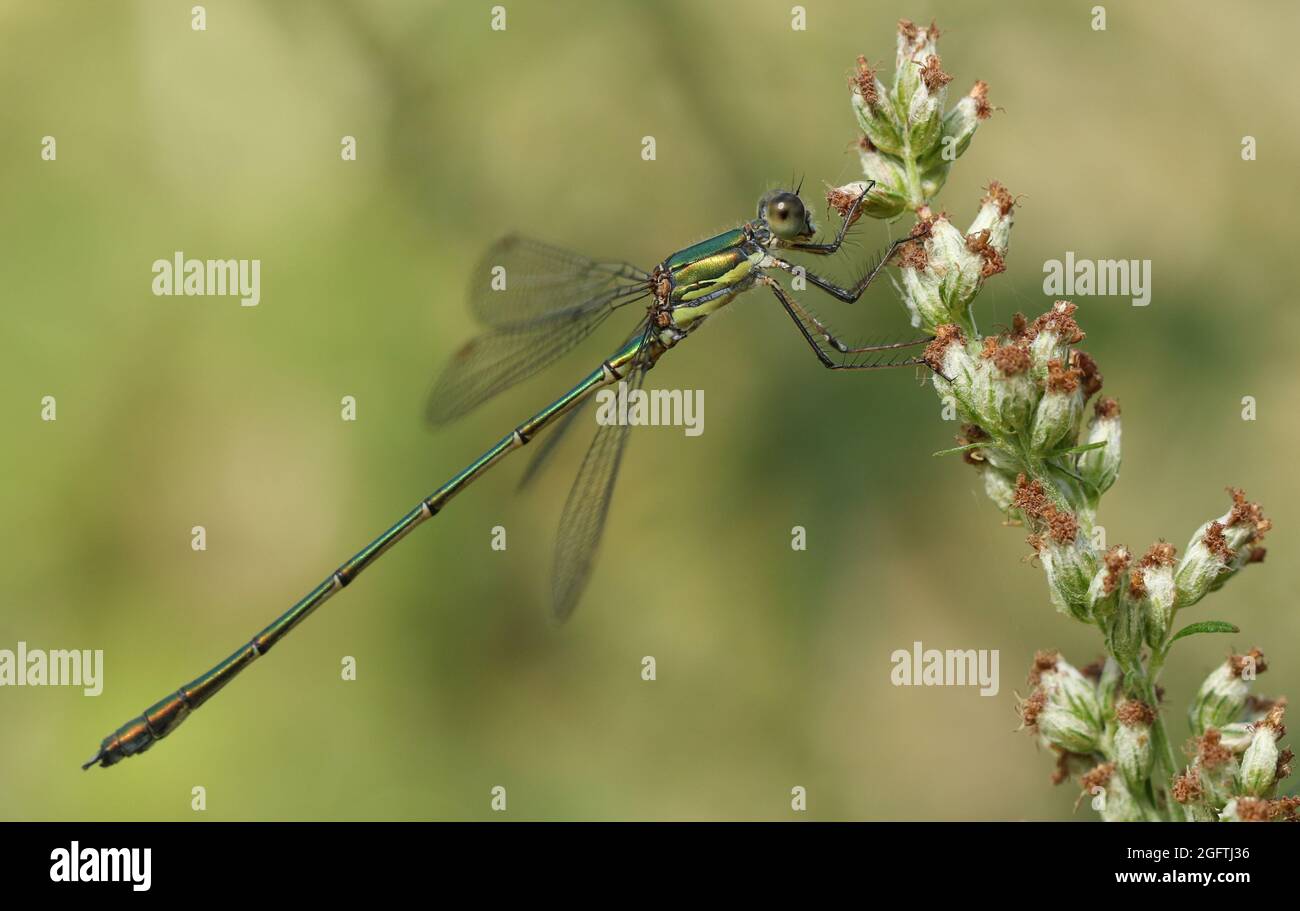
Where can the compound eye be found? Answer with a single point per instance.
(786, 216)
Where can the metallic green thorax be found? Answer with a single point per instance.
(701, 279)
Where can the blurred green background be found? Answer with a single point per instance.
(773, 665)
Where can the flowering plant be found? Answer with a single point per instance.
(1045, 460)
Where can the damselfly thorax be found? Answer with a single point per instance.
(700, 280)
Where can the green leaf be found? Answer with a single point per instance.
(1205, 626)
(976, 445)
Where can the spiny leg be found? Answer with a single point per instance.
(848, 295)
(850, 216)
(802, 318)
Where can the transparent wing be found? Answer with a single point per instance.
(550, 440)
(585, 511)
(521, 279)
(495, 361)
(549, 443)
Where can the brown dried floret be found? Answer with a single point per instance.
(945, 335)
(1216, 543)
(1160, 553)
(932, 73)
(1210, 751)
(1259, 809)
(1116, 560)
(1239, 663)
(1098, 777)
(1012, 359)
(1137, 585)
(1062, 526)
(1107, 408)
(1031, 707)
(1135, 713)
(1088, 372)
(1260, 705)
(1061, 378)
(993, 261)
(863, 81)
(1284, 760)
(1247, 513)
(1030, 498)
(1044, 660)
(1093, 670)
(912, 255)
(1060, 319)
(997, 193)
(980, 92)
(1274, 720)
(1186, 787)
(841, 200)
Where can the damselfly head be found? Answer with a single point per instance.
(786, 215)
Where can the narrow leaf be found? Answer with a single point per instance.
(944, 452)
(1205, 626)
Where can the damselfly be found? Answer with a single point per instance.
(537, 303)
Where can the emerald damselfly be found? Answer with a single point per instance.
(537, 303)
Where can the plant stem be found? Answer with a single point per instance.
(1165, 749)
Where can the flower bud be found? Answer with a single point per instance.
(1215, 767)
(1058, 412)
(1127, 627)
(1002, 392)
(888, 196)
(1063, 707)
(874, 110)
(999, 488)
(1109, 580)
(1256, 809)
(939, 275)
(1220, 548)
(1259, 764)
(953, 366)
(959, 126)
(1070, 568)
(1132, 741)
(1110, 795)
(996, 216)
(1050, 337)
(915, 45)
(1067, 559)
(925, 107)
(1100, 467)
(1223, 694)
(1153, 582)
